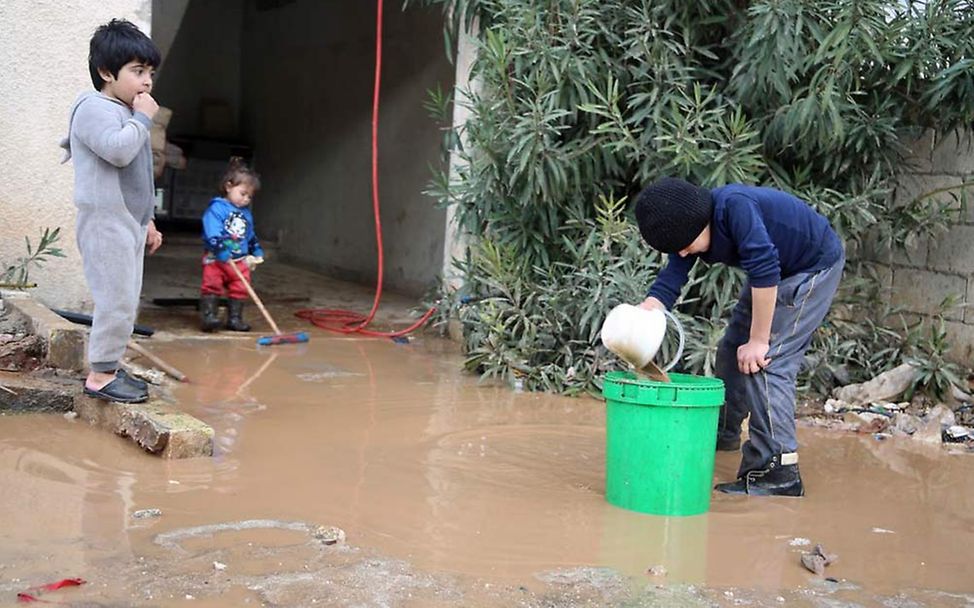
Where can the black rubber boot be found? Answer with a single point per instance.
(209, 312)
(775, 479)
(235, 320)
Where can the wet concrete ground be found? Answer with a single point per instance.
(450, 493)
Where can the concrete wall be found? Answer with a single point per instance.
(932, 269)
(44, 62)
(307, 95)
(203, 61)
(456, 247)
(167, 16)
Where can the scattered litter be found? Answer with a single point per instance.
(173, 482)
(149, 374)
(30, 594)
(190, 597)
(219, 566)
(400, 339)
(958, 432)
(329, 535)
(70, 415)
(799, 542)
(816, 560)
(657, 570)
(883, 531)
(146, 513)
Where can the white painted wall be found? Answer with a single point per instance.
(455, 246)
(44, 62)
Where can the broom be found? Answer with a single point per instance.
(278, 337)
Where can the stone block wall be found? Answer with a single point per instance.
(931, 269)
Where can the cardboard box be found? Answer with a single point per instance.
(162, 117)
(157, 138)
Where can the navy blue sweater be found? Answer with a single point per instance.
(771, 234)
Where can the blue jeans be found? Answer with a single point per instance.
(769, 395)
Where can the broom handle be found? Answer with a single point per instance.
(253, 296)
(172, 371)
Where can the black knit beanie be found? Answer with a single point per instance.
(672, 213)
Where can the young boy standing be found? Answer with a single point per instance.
(793, 260)
(115, 195)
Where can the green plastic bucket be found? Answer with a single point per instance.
(660, 441)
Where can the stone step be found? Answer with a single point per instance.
(31, 394)
(155, 426)
(65, 342)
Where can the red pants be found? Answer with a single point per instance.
(218, 275)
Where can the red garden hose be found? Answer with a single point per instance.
(347, 321)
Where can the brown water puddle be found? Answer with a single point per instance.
(441, 477)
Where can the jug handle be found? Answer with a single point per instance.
(679, 348)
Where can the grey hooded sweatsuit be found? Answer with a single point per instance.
(114, 191)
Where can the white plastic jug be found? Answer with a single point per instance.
(635, 334)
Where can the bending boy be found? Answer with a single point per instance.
(793, 260)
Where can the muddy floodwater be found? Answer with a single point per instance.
(450, 493)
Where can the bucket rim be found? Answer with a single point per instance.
(678, 380)
(700, 392)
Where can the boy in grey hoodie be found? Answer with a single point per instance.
(115, 196)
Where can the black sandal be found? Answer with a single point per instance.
(120, 391)
(136, 382)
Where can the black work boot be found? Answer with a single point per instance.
(209, 312)
(774, 479)
(235, 320)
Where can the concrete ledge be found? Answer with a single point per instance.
(65, 342)
(35, 395)
(154, 426)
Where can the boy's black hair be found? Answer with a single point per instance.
(115, 44)
(672, 213)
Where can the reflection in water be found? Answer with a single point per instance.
(423, 464)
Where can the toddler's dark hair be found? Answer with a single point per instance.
(239, 173)
(115, 44)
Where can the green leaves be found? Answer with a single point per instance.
(578, 103)
(18, 273)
